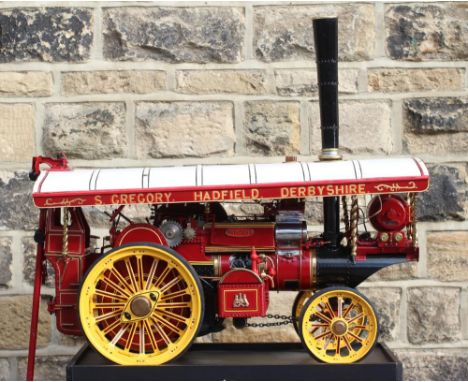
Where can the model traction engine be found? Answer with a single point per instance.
(143, 297)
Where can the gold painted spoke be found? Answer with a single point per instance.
(340, 307)
(348, 309)
(174, 305)
(140, 271)
(151, 273)
(162, 276)
(355, 318)
(110, 328)
(142, 337)
(161, 332)
(103, 305)
(170, 284)
(174, 295)
(104, 293)
(131, 274)
(106, 316)
(332, 313)
(168, 324)
(338, 345)
(357, 327)
(131, 336)
(312, 327)
(173, 315)
(320, 325)
(323, 335)
(153, 342)
(356, 337)
(118, 288)
(114, 272)
(119, 335)
(327, 343)
(322, 316)
(348, 345)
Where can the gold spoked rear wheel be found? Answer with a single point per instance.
(338, 325)
(141, 305)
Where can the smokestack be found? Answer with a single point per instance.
(326, 53)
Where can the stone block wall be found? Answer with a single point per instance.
(125, 84)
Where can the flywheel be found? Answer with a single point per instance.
(141, 304)
(338, 325)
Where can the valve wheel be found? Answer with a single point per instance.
(141, 304)
(338, 325)
(299, 302)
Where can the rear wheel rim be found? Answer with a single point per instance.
(141, 305)
(299, 302)
(339, 326)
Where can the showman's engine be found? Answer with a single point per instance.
(154, 286)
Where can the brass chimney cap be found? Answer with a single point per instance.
(330, 154)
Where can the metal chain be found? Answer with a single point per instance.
(286, 321)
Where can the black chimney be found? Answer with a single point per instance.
(326, 53)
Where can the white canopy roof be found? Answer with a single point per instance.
(85, 183)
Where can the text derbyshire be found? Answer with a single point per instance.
(325, 190)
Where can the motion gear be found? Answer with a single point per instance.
(173, 232)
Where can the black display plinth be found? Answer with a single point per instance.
(258, 361)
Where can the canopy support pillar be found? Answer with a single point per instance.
(38, 278)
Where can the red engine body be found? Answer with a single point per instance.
(242, 259)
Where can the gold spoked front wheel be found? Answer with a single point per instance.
(338, 325)
(141, 305)
(298, 304)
